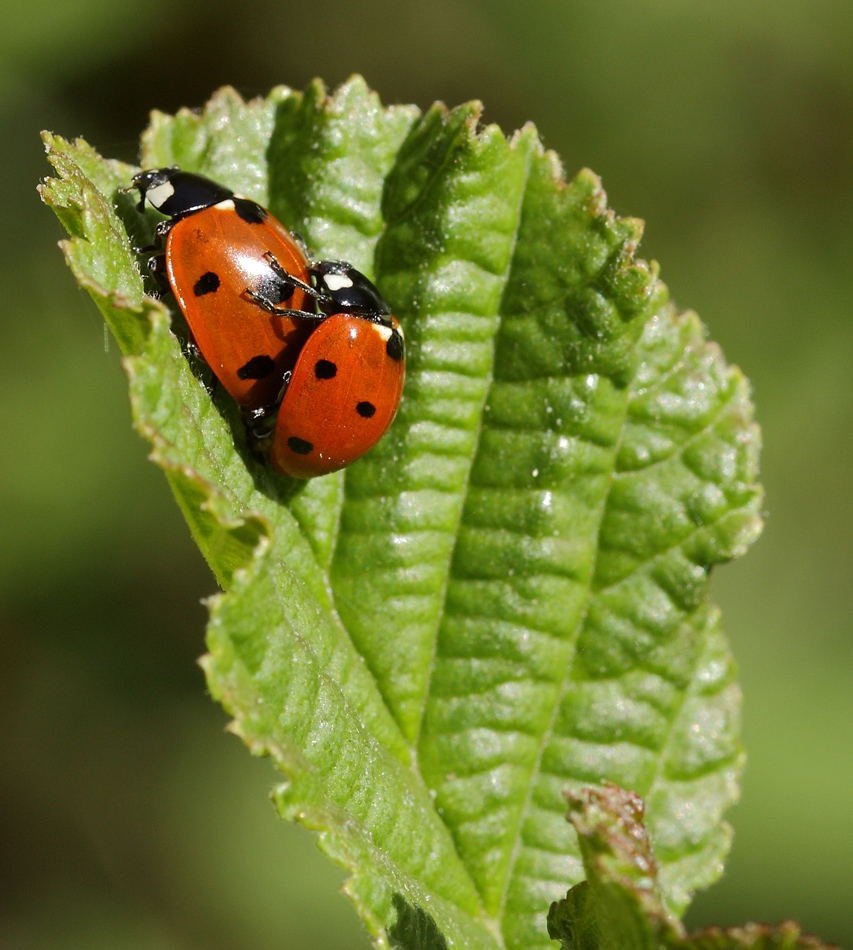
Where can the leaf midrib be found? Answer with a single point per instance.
(462, 133)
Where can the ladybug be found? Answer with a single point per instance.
(222, 256)
(346, 385)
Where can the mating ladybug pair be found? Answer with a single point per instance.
(249, 293)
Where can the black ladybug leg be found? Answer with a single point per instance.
(273, 290)
(162, 230)
(157, 269)
(261, 422)
(303, 244)
(260, 425)
(192, 352)
(285, 382)
(286, 278)
(263, 301)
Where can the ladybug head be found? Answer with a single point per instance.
(176, 193)
(348, 290)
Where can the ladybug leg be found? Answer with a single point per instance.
(277, 288)
(272, 292)
(303, 314)
(286, 278)
(270, 301)
(277, 311)
(261, 421)
(303, 244)
(162, 230)
(157, 269)
(160, 234)
(192, 352)
(260, 425)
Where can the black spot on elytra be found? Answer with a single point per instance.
(258, 367)
(299, 446)
(250, 211)
(365, 409)
(325, 369)
(394, 347)
(206, 284)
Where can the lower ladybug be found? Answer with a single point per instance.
(346, 385)
(222, 256)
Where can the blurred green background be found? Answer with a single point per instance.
(129, 819)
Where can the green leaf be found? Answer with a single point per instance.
(508, 596)
(619, 906)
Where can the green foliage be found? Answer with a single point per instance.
(619, 907)
(509, 595)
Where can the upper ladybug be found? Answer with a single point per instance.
(223, 255)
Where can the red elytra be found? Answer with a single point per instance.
(212, 257)
(343, 394)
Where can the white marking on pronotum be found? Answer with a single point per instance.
(160, 194)
(336, 282)
(383, 331)
(227, 205)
